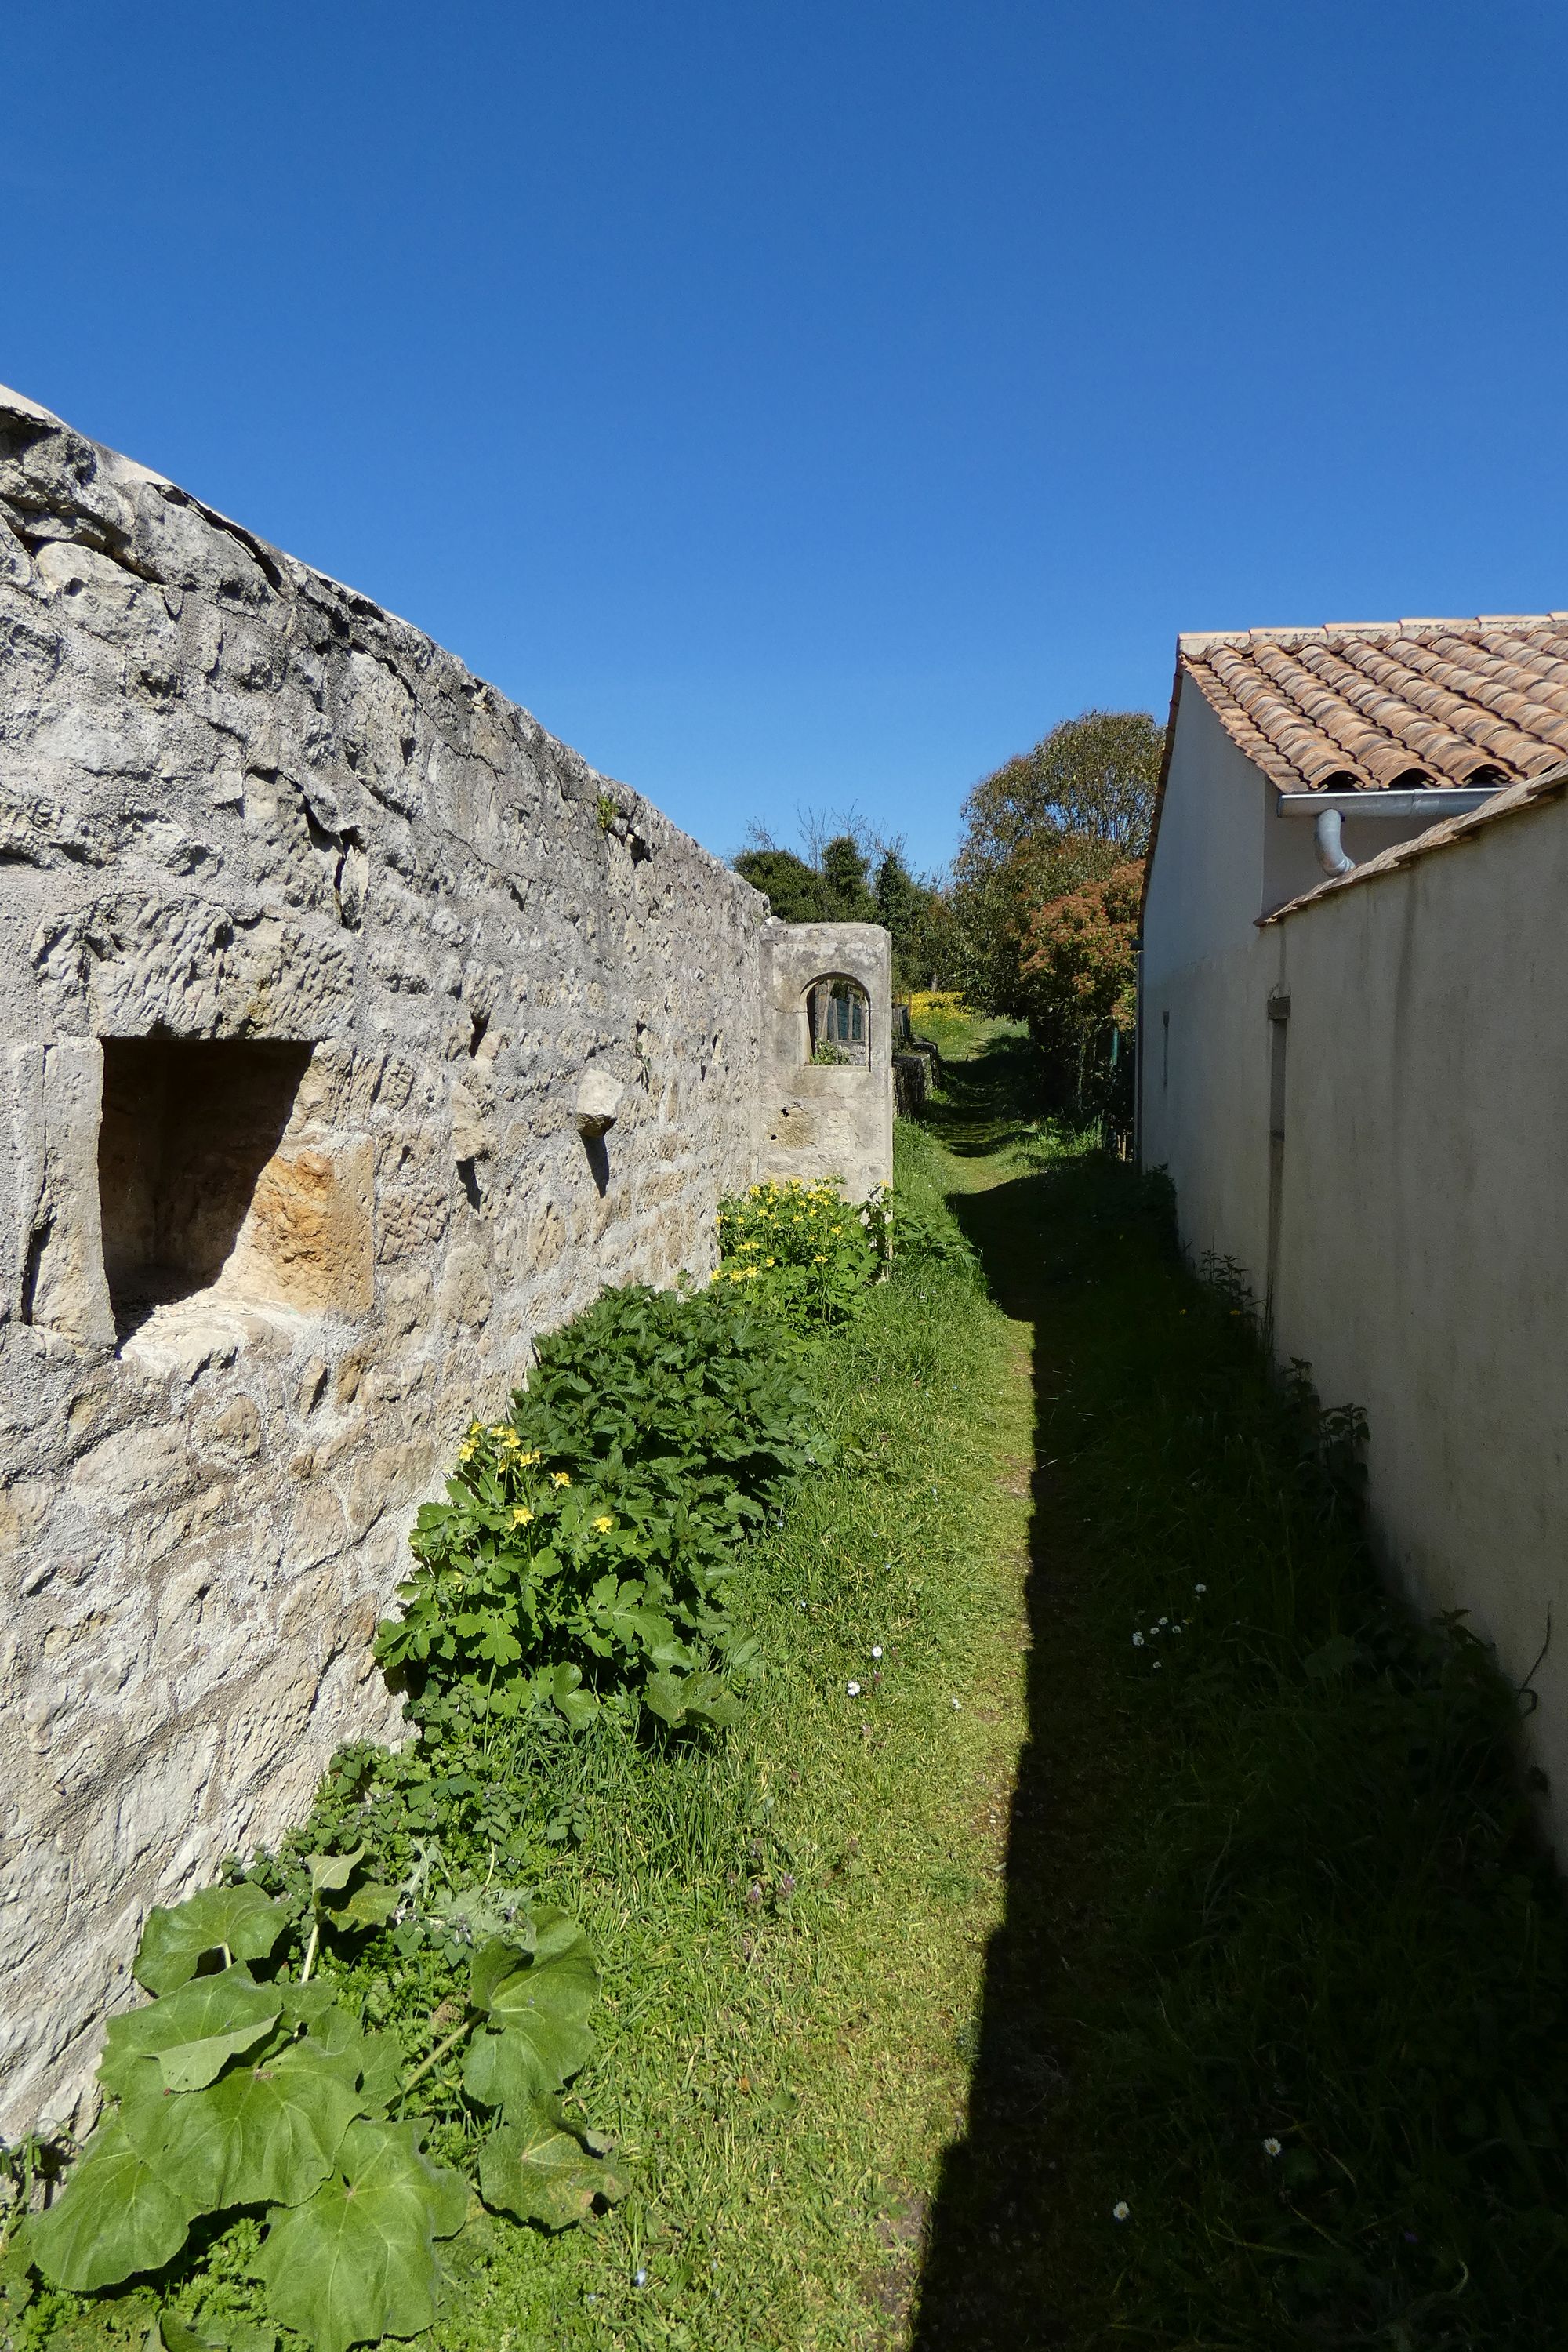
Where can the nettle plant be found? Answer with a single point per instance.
(802, 1250)
(584, 1552)
(241, 2086)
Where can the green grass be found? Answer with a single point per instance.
(902, 1997)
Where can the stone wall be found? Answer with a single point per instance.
(821, 1117)
(352, 1031)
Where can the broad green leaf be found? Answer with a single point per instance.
(560, 1982)
(706, 1697)
(176, 1942)
(308, 2004)
(538, 2169)
(579, 1707)
(170, 2333)
(552, 1933)
(357, 2262)
(193, 2032)
(538, 2010)
(662, 1694)
(528, 2061)
(265, 2134)
(116, 2216)
(383, 2061)
(331, 1873)
(1338, 1652)
(369, 1905)
(497, 1961)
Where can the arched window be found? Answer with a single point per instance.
(839, 1023)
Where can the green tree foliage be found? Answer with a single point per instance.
(846, 870)
(919, 915)
(850, 877)
(794, 889)
(1045, 825)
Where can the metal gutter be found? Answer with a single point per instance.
(1435, 801)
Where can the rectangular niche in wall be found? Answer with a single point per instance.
(189, 1126)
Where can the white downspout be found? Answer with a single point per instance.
(1332, 855)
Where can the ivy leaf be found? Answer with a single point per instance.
(193, 2032)
(538, 2169)
(264, 2134)
(176, 1942)
(357, 2262)
(116, 2216)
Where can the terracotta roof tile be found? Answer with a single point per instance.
(1373, 706)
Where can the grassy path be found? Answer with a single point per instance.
(794, 1929)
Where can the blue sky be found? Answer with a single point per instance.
(807, 405)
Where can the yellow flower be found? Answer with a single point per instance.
(603, 1523)
(770, 1261)
(559, 1479)
(520, 1516)
(526, 1461)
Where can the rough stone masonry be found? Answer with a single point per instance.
(352, 1031)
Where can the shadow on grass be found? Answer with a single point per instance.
(986, 2285)
(988, 1102)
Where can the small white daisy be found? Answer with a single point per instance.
(1271, 2147)
(955, 1707)
(1138, 1641)
(853, 1689)
(1158, 1663)
(1119, 2211)
(876, 1649)
(1200, 1588)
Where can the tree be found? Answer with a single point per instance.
(1077, 981)
(844, 868)
(850, 876)
(794, 889)
(1049, 822)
